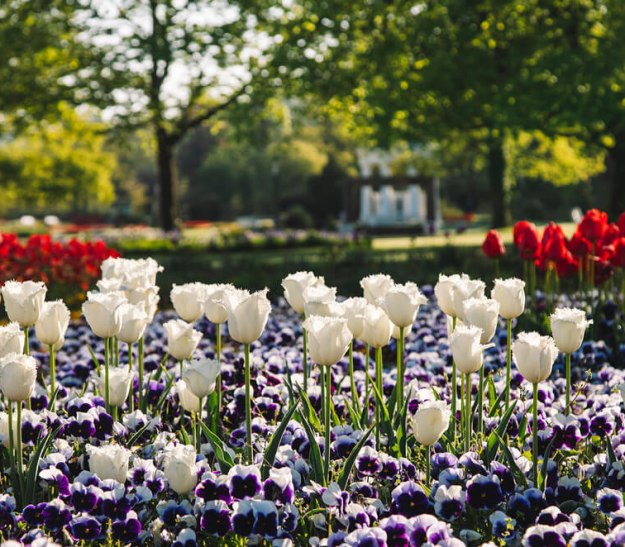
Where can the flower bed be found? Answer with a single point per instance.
(205, 426)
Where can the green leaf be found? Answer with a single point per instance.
(95, 360)
(500, 431)
(611, 454)
(351, 459)
(274, 443)
(311, 415)
(41, 450)
(518, 474)
(316, 462)
(221, 454)
(137, 434)
(543, 468)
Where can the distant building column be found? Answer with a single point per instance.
(387, 209)
(415, 203)
(365, 204)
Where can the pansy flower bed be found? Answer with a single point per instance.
(403, 417)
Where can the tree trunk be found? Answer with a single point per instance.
(166, 181)
(496, 170)
(616, 206)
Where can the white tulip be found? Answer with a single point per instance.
(378, 327)
(18, 375)
(248, 316)
(401, 303)
(109, 461)
(294, 285)
(328, 338)
(188, 300)
(482, 313)
(11, 339)
(568, 327)
(214, 307)
(134, 322)
(188, 400)
(24, 301)
(376, 286)
(354, 312)
(109, 285)
(52, 324)
(510, 293)
(120, 382)
(430, 422)
(133, 273)
(147, 298)
(102, 312)
(534, 356)
(452, 291)
(201, 376)
(4, 429)
(182, 339)
(318, 299)
(467, 351)
(179, 468)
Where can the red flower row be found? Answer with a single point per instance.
(41, 259)
(597, 246)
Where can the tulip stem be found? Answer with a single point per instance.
(106, 373)
(142, 402)
(194, 428)
(400, 372)
(19, 456)
(132, 395)
(567, 409)
(181, 367)
(454, 388)
(218, 355)
(535, 435)
(467, 412)
(428, 457)
(248, 408)
(11, 437)
(199, 427)
(116, 350)
(508, 360)
(328, 421)
(305, 360)
(480, 402)
(52, 370)
(367, 380)
(378, 404)
(26, 346)
(351, 377)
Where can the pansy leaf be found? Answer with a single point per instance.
(351, 459)
(274, 443)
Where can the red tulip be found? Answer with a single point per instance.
(621, 223)
(493, 246)
(567, 266)
(618, 257)
(603, 271)
(579, 245)
(527, 240)
(553, 243)
(594, 225)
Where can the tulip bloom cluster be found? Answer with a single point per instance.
(143, 429)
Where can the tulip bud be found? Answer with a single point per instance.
(24, 301)
(120, 381)
(466, 348)
(11, 339)
(483, 313)
(568, 327)
(134, 322)
(318, 300)
(52, 324)
(294, 286)
(18, 375)
(376, 286)
(188, 400)
(247, 316)
(188, 300)
(109, 461)
(328, 338)
(201, 376)
(354, 312)
(179, 468)
(401, 303)
(510, 293)
(103, 314)
(214, 306)
(378, 327)
(430, 422)
(182, 339)
(534, 356)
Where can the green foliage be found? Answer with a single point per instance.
(57, 166)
